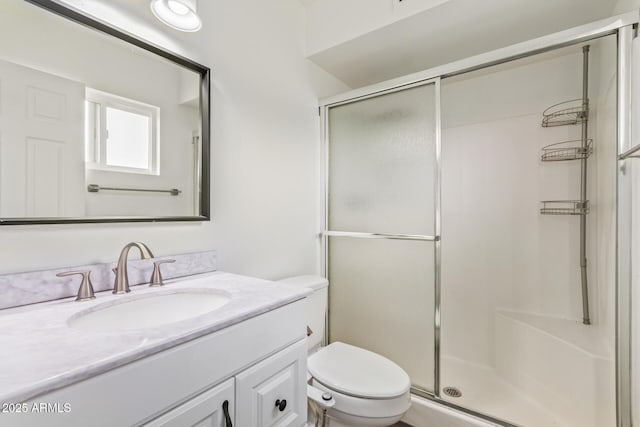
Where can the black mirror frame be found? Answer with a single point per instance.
(205, 108)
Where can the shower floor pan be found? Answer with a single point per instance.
(547, 372)
(484, 391)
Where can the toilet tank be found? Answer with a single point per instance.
(316, 305)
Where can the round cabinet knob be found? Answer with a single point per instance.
(281, 404)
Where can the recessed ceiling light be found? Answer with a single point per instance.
(178, 14)
(177, 7)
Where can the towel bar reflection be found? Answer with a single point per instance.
(94, 188)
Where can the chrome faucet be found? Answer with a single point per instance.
(121, 284)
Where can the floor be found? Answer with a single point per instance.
(485, 392)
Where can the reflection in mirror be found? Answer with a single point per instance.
(93, 127)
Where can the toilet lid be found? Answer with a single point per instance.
(358, 372)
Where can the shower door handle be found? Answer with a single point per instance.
(330, 233)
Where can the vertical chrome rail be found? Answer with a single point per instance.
(324, 242)
(623, 230)
(437, 249)
(583, 185)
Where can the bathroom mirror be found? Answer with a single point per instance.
(97, 125)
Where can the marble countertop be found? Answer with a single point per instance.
(39, 353)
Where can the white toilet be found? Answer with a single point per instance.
(368, 389)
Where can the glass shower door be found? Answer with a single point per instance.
(628, 350)
(381, 227)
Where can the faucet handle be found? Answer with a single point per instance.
(85, 292)
(156, 276)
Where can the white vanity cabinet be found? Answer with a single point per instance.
(213, 408)
(273, 392)
(270, 393)
(252, 364)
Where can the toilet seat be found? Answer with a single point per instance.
(357, 372)
(363, 384)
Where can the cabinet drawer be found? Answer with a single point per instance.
(273, 392)
(204, 410)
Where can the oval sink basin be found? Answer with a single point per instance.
(149, 311)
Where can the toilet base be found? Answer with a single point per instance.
(340, 419)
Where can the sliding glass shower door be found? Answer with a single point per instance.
(382, 226)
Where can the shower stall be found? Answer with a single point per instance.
(465, 208)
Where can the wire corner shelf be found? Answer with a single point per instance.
(564, 207)
(566, 113)
(567, 150)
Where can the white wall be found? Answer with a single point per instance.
(265, 151)
(622, 6)
(498, 251)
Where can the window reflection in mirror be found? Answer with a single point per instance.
(80, 109)
(121, 134)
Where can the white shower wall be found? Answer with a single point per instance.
(511, 288)
(498, 251)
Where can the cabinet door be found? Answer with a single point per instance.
(273, 393)
(204, 410)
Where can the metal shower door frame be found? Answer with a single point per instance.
(624, 27)
(624, 186)
(326, 233)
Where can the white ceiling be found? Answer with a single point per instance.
(135, 17)
(454, 30)
(122, 10)
(138, 8)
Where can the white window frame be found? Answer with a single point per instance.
(96, 131)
